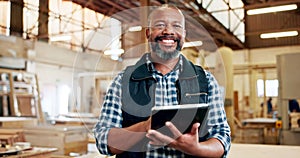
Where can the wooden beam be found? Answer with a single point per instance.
(43, 20)
(16, 22)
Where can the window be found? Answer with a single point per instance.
(230, 13)
(271, 88)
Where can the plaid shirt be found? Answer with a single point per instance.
(165, 94)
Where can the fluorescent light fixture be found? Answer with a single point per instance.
(114, 52)
(114, 57)
(192, 44)
(60, 38)
(135, 28)
(279, 34)
(272, 9)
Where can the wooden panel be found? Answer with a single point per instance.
(66, 139)
(249, 135)
(24, 105)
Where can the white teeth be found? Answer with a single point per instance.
(168, 41)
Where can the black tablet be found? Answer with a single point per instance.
(182, 116)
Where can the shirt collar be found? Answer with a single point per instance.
(151, 68)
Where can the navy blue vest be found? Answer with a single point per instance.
(138, 88)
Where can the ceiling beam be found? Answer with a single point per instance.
(207, 19)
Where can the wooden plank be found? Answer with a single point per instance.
(39, 105)
(12, 96)
(17, 122)
(236, 104)
(36, 152)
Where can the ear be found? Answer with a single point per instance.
(147, 33)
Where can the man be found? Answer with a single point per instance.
(162, 77)
(294, 105)
(270, 106)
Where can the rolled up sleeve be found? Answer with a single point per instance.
(217, 121)
(110, 116)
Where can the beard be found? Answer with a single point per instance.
(165, 55)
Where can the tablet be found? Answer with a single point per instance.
(182, 116)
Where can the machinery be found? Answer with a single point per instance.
(289, 84)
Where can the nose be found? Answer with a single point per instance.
(169, 29)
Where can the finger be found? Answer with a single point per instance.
(157, 138)
(195, 128)
(176, 133)
(153, 139)
(156, 142)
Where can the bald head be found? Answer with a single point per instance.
(166, 9)
(166, 32)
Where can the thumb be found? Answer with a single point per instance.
(195, 128)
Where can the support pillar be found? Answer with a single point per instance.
(226, 54)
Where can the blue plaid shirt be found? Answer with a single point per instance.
(165, 94)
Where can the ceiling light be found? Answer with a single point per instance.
(114, 52)
(114, 57)
(192, 44)
(279, 34)
(135, 28)
(272, 9)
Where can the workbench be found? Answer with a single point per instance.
(260, 122)
(263, 151)
(270, 132)
(35, 152)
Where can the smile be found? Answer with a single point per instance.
(167, 42)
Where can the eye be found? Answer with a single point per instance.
(160, 25)
(178, 26)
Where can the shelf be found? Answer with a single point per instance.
(4, 82)
(23, 93)
(23, 84)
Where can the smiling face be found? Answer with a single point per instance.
(166, 33)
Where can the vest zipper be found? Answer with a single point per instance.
(194, 94)
(139, 79)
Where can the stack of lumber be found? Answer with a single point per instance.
(11, 136)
